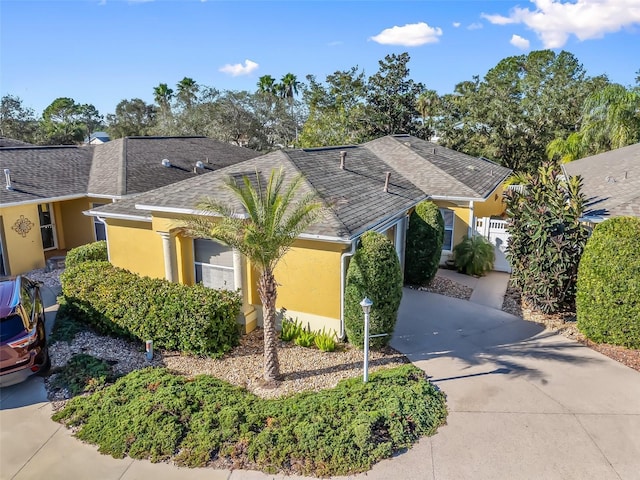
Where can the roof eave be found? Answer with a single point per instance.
(117, 216)
(44, 200)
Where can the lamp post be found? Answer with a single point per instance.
(366, 309)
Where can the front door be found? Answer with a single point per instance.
(47, 226)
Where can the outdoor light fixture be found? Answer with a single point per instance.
(366, 309)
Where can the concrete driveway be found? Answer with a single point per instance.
(524, 404)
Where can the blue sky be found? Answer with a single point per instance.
(102, 51)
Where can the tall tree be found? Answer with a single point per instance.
(16, 120)
(187, 92)
(336, 110)
(163, 95)
(520, 105)
(428, 104)
(267, 85)
(62, 122)
(91, 118)
(132, 118)
(391, 98)
(276, 215)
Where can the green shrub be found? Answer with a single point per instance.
(608, 296)
(325, 341)
(474, 256)
(424, 243)
(154, 414)
(83, 374)
(192, 319)
(374, 272)
(305, 338)
(546, 238)
(91, 252)
(291, 329)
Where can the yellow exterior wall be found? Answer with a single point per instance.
(136, 247)
(493, 206)
(461, 219)
(309, 278)
(24, 253)
(74, 228)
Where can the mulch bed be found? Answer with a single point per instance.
(565, 324)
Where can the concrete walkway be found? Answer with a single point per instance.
(523, 403)
(488, 290)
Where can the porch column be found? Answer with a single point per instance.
(169, 255)
(237, 272)
(401, 239)
(472, 220)
(248, 314)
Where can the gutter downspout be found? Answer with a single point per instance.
(343, 275)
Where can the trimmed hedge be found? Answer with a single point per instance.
(374, 272)
(608, 291)
(91, 252)
(191, 319)
(424, 243)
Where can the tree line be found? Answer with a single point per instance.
(523, 111)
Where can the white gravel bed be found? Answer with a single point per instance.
(49, 279)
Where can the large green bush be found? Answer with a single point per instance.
(608, 296)
(546, 238)
(474, 255)
(191, 319)
(374, 272)
(96, 251)
(155, 414)
(424, 243)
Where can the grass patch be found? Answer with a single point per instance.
(154, 414)
(83, 374)
(66, 326)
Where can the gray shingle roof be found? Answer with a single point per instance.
(12, 142)
(115, 169)
(611, 182)
(439, 171)
(41, 173)
(354, 197)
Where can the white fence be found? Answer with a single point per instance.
(495, 231)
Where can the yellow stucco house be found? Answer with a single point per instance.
(373, 186)
(47, 188)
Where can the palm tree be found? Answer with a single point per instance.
(289, 86)
(567, 150)
(274, 217)
(163, 95)
(187, 91)
(611, 118)
(428, 104)
(267, 84)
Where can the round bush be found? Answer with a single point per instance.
(91, 252)
(608, 290)
(424, 243)
(374, 272)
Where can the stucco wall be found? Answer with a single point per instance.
(24, 253)
(74, 228)
(493, 206)
(136, 247)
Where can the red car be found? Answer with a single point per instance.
(23, 344)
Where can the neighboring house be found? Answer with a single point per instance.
(611, 183)
(46, 189)
(373, 186)
(97, 138)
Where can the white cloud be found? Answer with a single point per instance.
(411, 35)
(475, 26)
(238, 69)
(520, 42)
(456, 24)
(334, 43)
(554, 21)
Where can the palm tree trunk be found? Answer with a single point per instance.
(268, 295)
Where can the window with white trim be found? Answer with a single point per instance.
(99, 228)
(213, 264)
(448, 216)
(47, 226)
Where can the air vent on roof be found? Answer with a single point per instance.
(199, 165)
(386, 182)
(166, 162)
(343, 155)
(471, 167)
(7, 176)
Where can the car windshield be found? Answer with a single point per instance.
(10, 327)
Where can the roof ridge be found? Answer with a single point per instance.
(160, 137)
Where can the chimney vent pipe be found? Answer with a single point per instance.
(7, 176)
(386, 182)
(343, 155)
